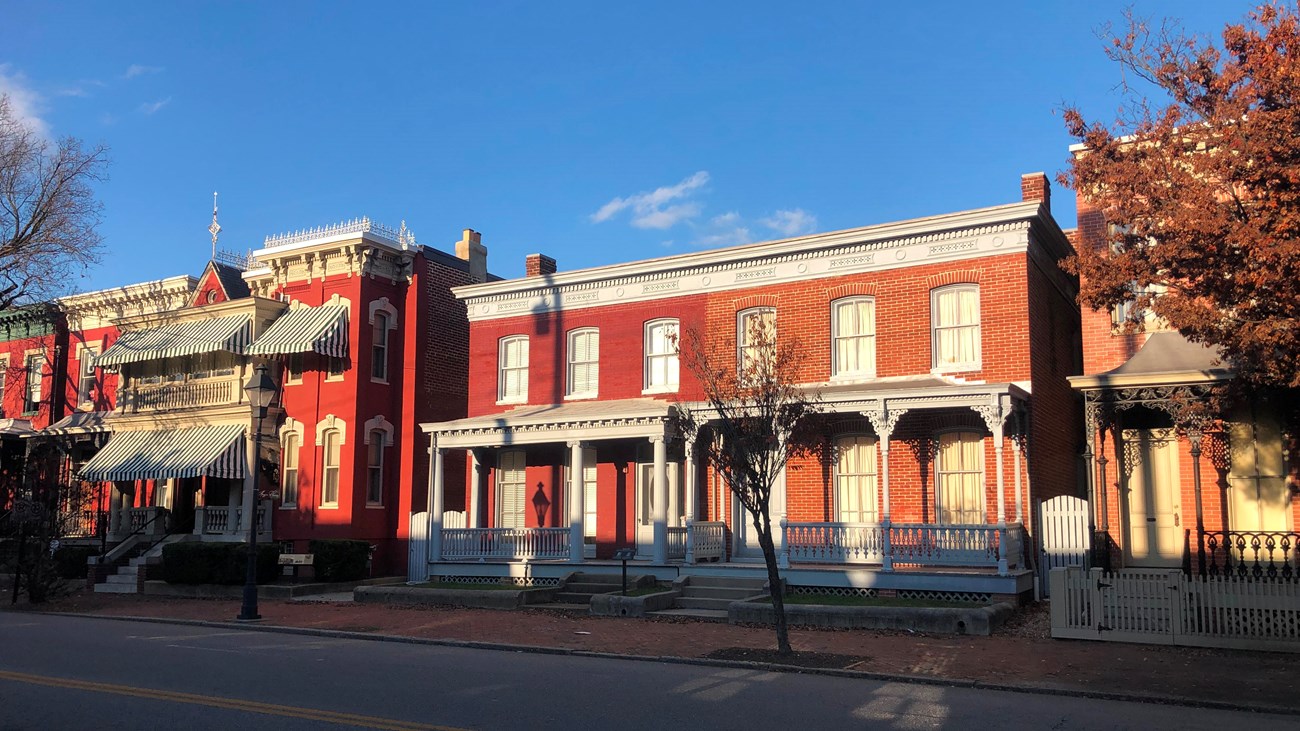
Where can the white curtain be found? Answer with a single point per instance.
(956, 324)
(855, 337)
(855, 480)
(961, 478)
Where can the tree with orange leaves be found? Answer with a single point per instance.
(1201, 185)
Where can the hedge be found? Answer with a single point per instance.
(70, 561)
(340, 560)
(217, 563)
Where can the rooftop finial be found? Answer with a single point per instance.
(215, 228)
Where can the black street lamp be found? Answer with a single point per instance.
(260, 389)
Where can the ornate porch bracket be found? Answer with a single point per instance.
(995, 415)
(883, 420)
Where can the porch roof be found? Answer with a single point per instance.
(212, 451)
(230, 333)
(1166, 358)
(79, 422)
(549, 423)
(917, 392)
(321, 330)
(16, 428)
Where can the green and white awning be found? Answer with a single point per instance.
(209, 451)
(321, 330)
(177, 339)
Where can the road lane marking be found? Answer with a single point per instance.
(235, 704)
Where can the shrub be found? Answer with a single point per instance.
(70, 561)
(217, 563)
(340, 560)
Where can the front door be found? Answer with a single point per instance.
(1155, 524)
(747, 547)
(645, 503)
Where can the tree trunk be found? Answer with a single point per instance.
(775, 588)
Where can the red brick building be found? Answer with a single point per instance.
(940, 347)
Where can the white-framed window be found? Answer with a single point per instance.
(513, 369)
(375, 468)
(379, 347)
(85, 374)
(512, 489)
(332, 448)
(662, 365)
(853, 337)
(293, 367)
(290, 446)
(955, 324)
(35, 376)
(583, 362)
(959, 474)
(751, 325)
(1129, 311)
(855, 479)
(334, 368)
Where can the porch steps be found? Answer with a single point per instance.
(581, 587)
(707, 597)
(129, 577)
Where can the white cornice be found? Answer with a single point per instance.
(950, 237)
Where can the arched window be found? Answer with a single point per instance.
(332, 445)
(584, 362)
(855, 479)
(853, 336)
(289, 448)
(661, 359)
(513, 369)
(755, 336)
(379, 347)
(959, 472)
(955, 327)
(375, 468)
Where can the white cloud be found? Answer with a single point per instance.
(730, 237)
(791, 223)
(651, 210)
(25, 103)
(136, 69)
(730, 218)
(151, 107)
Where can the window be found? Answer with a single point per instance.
(959, 473)
(955, 322)
(855, 480)
(513, 359)
(584, 362)
(755, 336)
(661, 361)
(379, 347)
(512, 489)
(334, 368)
(85, 375)
(293, 369)
(853, 334)
(375, 469)
(289, 472)
(329, 497)
(35, 374)
(1130, 312)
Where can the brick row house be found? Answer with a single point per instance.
(940, 348)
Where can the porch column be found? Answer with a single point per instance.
(995, 416)
(114, 510)
(232, 502)
(435, 499)
(660, 499)
(883, 420)
(1017, 443)
(1090, 468)
(577, 509)
(1196, 435)
(689, 459)
(477, 472)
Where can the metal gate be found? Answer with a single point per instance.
(1157, 606)
(1063, 524)
(417, 561)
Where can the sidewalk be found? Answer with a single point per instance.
(1020, 655)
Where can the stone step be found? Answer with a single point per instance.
(701, 603)
(603, 579)
(122, 579)
(145, 561)
(719, 592)
(570, 597)
(109, 588)
(590, 588)
(707, 615)
(562, 606)
(728, 581)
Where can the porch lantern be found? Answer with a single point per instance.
(260, 389)
(541, 504)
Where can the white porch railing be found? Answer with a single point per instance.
(706, 540)
(677, 538)
(908, 544)
(536, 543)
(181, 395)
(222, 520)
(151, 521)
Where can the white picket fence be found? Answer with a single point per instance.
(1170, 608)
(1063, 535)
(417, 557)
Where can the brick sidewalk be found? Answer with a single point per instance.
(1243, 679)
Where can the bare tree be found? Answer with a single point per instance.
(48, 210)
(757, 421)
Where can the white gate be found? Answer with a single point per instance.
(1156, 606)
(417, 560)
(1063, 535)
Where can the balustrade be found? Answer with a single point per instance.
(707, 540)
(508, 543)
(184, 395)
(677, 538)
(1256, 554)
(910, 544)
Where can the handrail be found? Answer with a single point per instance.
(138, 532)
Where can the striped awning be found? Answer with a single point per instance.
(211, 451)
(230, 333)
(321, 330)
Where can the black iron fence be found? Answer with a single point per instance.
(1250, 554)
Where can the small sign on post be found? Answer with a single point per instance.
(625, 555)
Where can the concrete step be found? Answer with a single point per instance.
(145, 561)
(122, 579)
(109, 588)
(572, 597)
(707, 615)
(592, 588)
(562, 606)
(603, 579)
(728, 581)
(699, 603)
(719, 592)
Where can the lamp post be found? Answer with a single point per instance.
(260, 390)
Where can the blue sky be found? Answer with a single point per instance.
(593, 132)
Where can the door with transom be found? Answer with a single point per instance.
(1155, 520)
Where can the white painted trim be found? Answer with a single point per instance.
(331, 422)
(379, 423)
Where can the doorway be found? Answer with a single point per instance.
(1155, 525)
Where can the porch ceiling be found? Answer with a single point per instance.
(552, 423)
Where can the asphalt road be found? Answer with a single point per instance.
(81, 673)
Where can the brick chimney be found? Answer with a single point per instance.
(538, 264)
(471, 249)
(1034, 187)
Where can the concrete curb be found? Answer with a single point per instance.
(480, 599)
(981, 620)
(617, 605)
(1150, 698)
